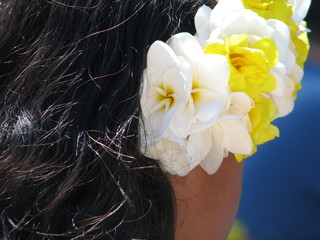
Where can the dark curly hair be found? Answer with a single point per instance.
(70, 77)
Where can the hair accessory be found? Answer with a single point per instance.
(218, 91)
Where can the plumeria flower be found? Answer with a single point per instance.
(210, 76)
(166, 90)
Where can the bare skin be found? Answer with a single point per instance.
(207, 204)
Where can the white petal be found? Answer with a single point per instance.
(300, 10)
(210, 105)
(202, 23)
(290, 60)
(181, 123)
(160, 121)
(296, 74)
(279, 73)
(170, 136)
(244, 21)
(221, 9)
(198, 146)
(212, 71)
(172, 156)
(236, 138)
(207, 110)
(178, 81)
(285, 102)
(146, 85)
(160, 118)
(215, 156)
(280, 34)
(160, 58)
(203, 42)
(185, 45)
(240, 105)
(186, 69)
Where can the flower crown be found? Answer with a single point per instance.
(218, 91)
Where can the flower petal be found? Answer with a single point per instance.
(207, 109)
(160, 58)
(185, 45)
(296, 74)
(173, 157)
(181, 123)
(215, 156)
(221, 9)
(212, 72)
(300, 9)
(236, 137)
(280, 34)
(202, 23)
(243, 22)
(279, 74)
(198, 146)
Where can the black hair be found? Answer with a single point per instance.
(70, 77)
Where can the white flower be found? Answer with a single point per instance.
(202, 24)
(166, 90)
(210, 76)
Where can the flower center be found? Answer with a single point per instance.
(250, 63)
(166, 97)
(195, 93)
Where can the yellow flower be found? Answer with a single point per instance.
(261, 116)
(297, 88)
(262, 130)
(250, 63)
(271, 9)
(283, 11)
(301, 43)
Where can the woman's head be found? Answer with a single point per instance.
(70, 79)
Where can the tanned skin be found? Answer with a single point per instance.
(207, 204)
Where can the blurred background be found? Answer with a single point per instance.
(281, 188)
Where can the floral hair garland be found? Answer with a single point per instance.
(217, 92)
